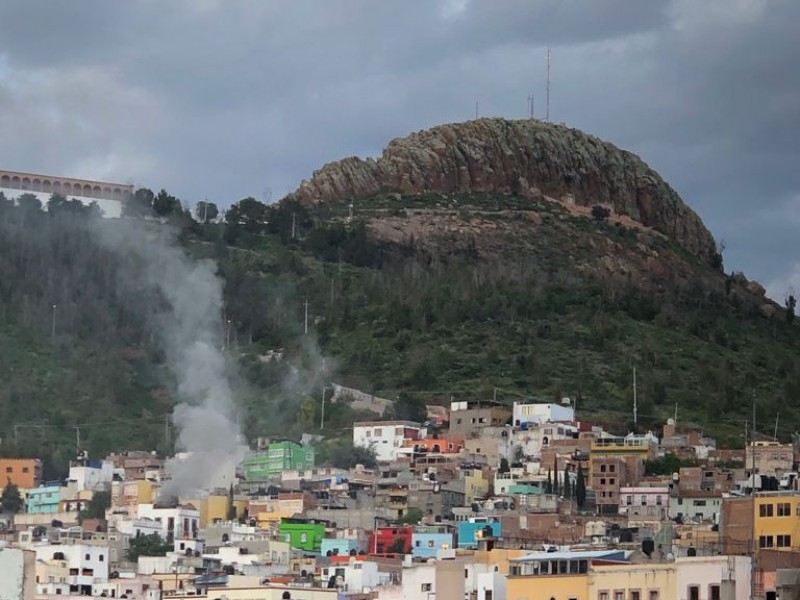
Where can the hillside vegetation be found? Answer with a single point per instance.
(417, 297)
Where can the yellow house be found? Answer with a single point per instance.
(776, 518)
(475, 485)
(214, 508)
(646, 581)
(554, 575)
(640, 447)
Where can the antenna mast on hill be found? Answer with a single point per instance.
(530, 106)
(547, 112)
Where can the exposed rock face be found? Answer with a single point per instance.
(527, 158)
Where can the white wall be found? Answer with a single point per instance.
(383, 438)
(13, 576)
(541, 412)
(704, 571)
(79, 556)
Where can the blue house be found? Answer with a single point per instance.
(427, 541)
(469, 532)
(338, 546)
(44, 499)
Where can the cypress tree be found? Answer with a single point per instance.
(580, 488)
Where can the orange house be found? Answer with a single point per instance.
(22, 472)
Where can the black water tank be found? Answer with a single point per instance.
(648, 546)
(691, 551)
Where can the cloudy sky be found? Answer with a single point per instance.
(226, 98)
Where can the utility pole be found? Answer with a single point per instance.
(635, 416)
(775, 437)
(547, 112)
(476, 110)
(675, 420)
(53, 327)
(530, 106)
(322, 416)
(294, 225)
(305, 326)
(78, 438)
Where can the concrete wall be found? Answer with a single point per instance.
(17, 574)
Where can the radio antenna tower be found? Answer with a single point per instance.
(547, 112)
(530, 106)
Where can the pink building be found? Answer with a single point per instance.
(644, 502)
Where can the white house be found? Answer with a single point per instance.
(540, 412)
(83, 565)
(352, 575)
(180, 522)
(91, 477)
(385, 437)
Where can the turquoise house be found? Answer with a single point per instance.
(338, 546)
(470, 532)
(44, 500)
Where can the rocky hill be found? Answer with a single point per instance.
(526, 158)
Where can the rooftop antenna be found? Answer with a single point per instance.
(775, 437)
(547, 112)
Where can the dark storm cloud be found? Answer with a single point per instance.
(226, 99)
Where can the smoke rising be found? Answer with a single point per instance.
(190, 326)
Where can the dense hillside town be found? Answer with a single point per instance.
(483, 501)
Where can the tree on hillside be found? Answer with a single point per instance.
(791, 304)
(341, 453)
(600, 213)
(410, 407)
(11, 499)
(140, 204)
(504, 467)
(567, 493)
(165, 204)
(147, 545)
(580, 489)
(412, 517)
(96, 509)
(249, 214)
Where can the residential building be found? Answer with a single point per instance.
(351, 574)
(71, 568)
(644, 502)
(137, 464)
(278, 457)
(469, 418)
(44, 499)
(426, 541)
(302, 534)
(769, 457)
(178, 522)
(386, 438)
(696, 506)
(22, 472)
(525, 414)
(477, 528)
(391, 540)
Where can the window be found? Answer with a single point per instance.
(466, 573)
(426, 587)
(653, 594)
(694, 592)
(602, 468)
(784, 509)
(101, 558)
(643, 500)
(25, 470)
(86, 557)
(765, 541)
(9, 470)
(611, 481)
(635, 595)
(713, 592)
(619, 595)
(628, 499)
(431, 544)
(784, 541)
(611, 468)
(659, 500)
(603, 481)
(765, 510)
(602, 596)
(487, 595)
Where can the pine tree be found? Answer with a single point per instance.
(549, 487)
(567, 486)
(11, 499)
(580, 489)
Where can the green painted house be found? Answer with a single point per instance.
(302, 534)
(278, 457)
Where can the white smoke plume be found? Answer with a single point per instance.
(191, 330)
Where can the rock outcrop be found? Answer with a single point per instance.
(527, 158)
